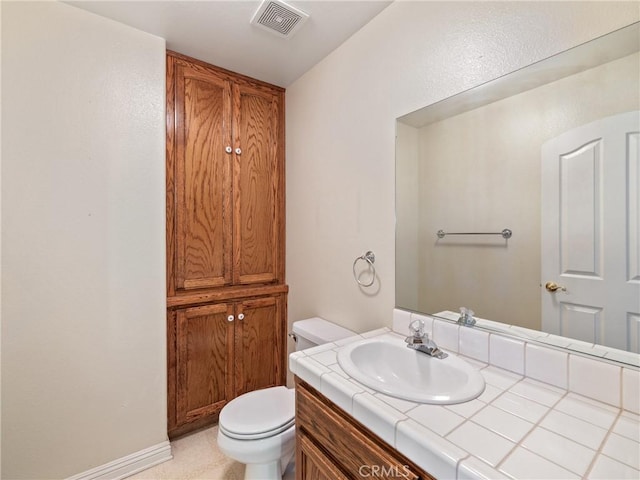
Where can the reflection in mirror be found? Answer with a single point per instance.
(551, 152)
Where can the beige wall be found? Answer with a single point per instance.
(480, 171)
(83, 300)
(341, 129)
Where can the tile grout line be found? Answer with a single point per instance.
(602, 444)
(535, 425)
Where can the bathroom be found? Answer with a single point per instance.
(83, 331)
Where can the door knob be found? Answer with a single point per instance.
(228, 149)
(241, 316)
(230, 318)
(553, 286)
(238, 151)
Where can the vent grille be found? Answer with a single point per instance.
(278, 17)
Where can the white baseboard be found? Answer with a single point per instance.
(126, 466)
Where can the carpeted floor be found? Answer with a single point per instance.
(197, 457)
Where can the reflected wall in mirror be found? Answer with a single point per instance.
(473, 163)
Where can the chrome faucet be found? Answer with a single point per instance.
(420, 341)
(466, 317)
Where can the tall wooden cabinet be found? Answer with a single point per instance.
(226, 294)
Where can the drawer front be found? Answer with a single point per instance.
(348, 443)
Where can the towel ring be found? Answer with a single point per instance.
(370, 258)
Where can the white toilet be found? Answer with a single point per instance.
(257, 428)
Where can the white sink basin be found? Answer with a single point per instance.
(387, 365)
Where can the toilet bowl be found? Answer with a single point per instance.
(257, 428)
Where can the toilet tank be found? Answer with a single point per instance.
(316, 331)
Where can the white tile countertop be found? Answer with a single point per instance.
(520, 427)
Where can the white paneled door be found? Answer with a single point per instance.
(590, 233)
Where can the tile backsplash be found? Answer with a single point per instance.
(547, 365)
(590, 377)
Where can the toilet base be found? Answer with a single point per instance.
(261, 471)
(265, 458)
(264, 471)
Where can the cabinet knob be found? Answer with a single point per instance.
(241, 316)
(228, 149)
(230, 318)
(238, 151)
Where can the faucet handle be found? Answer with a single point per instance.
(466, 312)
(466, 317)
(416, 328)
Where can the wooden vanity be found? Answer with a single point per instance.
(519, 427)
(332, 445)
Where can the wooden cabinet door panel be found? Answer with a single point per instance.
(203, 179)
(204, 343)
(312, 464)
(259, 344)
(256, 185)
(346, 443)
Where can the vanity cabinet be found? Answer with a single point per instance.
(220, 351)
(226, 295)
(332, 445)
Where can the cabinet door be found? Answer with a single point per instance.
(203, 227)
(312, 464)
(257, 185)
(204, 358)
(347, 443)
(259, 354)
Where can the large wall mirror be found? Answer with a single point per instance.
(550, 152)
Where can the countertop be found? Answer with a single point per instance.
(518, 428)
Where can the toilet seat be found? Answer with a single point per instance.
(256, 436)
(258, 414)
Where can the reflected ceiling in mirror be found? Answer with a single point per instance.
(472, 163)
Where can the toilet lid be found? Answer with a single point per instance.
(259, 414)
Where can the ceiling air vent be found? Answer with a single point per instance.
(278, 17)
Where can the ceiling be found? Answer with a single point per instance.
(219, 32)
